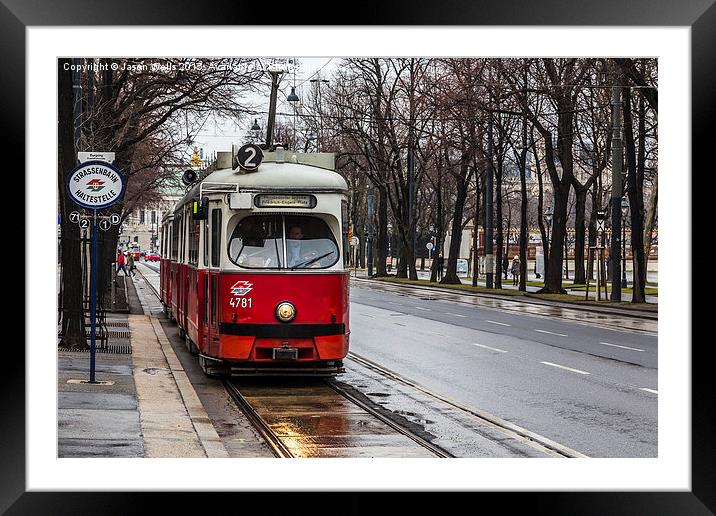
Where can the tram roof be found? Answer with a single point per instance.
(283, 176)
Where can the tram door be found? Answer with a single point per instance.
(211, 282)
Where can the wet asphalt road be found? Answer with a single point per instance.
(589, 388)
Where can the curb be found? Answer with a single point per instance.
(524, 298)
(210, 440)
(205, 431)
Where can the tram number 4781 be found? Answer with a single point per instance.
(240, 302)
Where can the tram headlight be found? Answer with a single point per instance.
(285, 311)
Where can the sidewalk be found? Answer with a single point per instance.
(144, 406)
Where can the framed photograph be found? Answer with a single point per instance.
(667, 468)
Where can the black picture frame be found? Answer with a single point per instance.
(700, 16)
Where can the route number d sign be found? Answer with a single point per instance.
(95, 185)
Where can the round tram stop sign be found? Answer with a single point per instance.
(95, 185)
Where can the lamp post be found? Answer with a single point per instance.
(293, 99)
(318, 82)
(625, 209)
(256, 130)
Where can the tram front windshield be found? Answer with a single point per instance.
(283, 242)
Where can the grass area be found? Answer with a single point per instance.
(567, 298)
(648, 307)
(649, 291)
(469, 288)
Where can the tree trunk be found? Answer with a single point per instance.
(70, 297)
(382, 230)
(437, 252)
(579, 234)
(523, 209)
(540, 210)
(499, 237)
(553, 274)
(650, 219)
(451, 276)
(634, 191)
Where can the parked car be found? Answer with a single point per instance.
(151, 257)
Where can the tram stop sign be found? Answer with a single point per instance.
(95, 185)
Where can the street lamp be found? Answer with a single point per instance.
(625, 210)
(293, 99)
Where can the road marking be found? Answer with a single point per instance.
(618, 346)
(649, 390)
(565, 367)
(456, 315)
(421, 308)
(488, 347)
(552, 333)
(496, 322)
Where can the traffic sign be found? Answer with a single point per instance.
(249, 156)
(104, 225)
(96, 156)
(84, 223)
(74, 217)
(95, 185)
(600, 225)
(114, 219)
(354, 241)
(429, 246)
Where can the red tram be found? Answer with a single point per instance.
(254, 266)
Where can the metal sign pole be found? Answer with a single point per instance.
(93, 300)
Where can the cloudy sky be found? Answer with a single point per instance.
(218, 135)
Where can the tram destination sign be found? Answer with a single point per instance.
(95, 185)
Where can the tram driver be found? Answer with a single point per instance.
(294, 254)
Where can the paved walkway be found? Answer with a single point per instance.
(144, 405)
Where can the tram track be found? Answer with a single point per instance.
(543, 444)
(271, 438)
(359, 423)
(281, 450)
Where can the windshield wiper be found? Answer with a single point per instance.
(312, 260)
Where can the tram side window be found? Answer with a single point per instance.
(193, 242)
(205, 230)
(344, 227)
(175, 239)
(215, 236)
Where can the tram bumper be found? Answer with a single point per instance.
(308, 349)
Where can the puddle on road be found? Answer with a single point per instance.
(415, 418)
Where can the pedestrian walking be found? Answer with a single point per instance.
(516, 270)
(505, 265)
(121, 263)
(130, 264)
